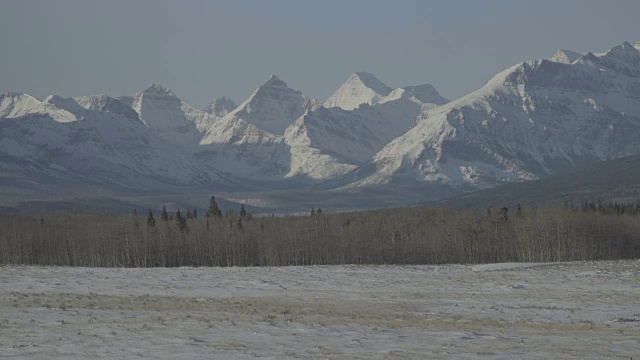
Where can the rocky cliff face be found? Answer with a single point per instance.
(220, 106)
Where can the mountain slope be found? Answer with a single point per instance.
(426, 94)
(329, 142)
(365, 88)
(16, 104)
(613, 180)
(170, 117)
(220, 106)
(565, 56)
(248, 141)
(531, 120)
(95, 138)
(273, 107)
(360, 88)
(280, 134)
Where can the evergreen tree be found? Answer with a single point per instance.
(214, 210)
(240, 224)
(313, 211)
(188, 213)
(319, 211)
(151, 221)
(195, 213)
(181, 222)
(243, 212)
(519, 211)
(504, 212)
(134, 214)
(164, 216)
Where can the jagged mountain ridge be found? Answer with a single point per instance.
(277, 133)
(364, 88)
(529, 121)
(360, 88)
(273, 106)
(170, 117)
(280, 134)
(95, 138)
(565, 56)
(246, 141)
(220, 106)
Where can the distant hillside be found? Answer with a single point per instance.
(614, 180)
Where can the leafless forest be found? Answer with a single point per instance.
(390, 236)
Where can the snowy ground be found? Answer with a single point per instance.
(503, 311)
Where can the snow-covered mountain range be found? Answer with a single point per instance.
(529, 121)
(278, 133)
(96, 138)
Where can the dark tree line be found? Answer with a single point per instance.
(390, 236)
(611, 208)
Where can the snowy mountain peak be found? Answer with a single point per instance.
(370, 81)
(14, 104)
(108, 104)
(65, 104)
(624, 59)
(624, 48)
(531, 120)
(220, 106)
(13, 94)
(360, 88)
(274, 80)
(53, 99)
(157, 89)
(627, 44)
(271, 108)
(168, 116)
(427, 94)
(565, 56)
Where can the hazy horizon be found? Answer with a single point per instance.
(203, 49)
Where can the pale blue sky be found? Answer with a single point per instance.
(204, 49)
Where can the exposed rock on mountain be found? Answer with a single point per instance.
(220, 106)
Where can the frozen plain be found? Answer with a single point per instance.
(588, 310)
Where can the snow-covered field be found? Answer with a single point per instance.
(570, 310)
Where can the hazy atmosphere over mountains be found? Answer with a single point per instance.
(365, 143)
